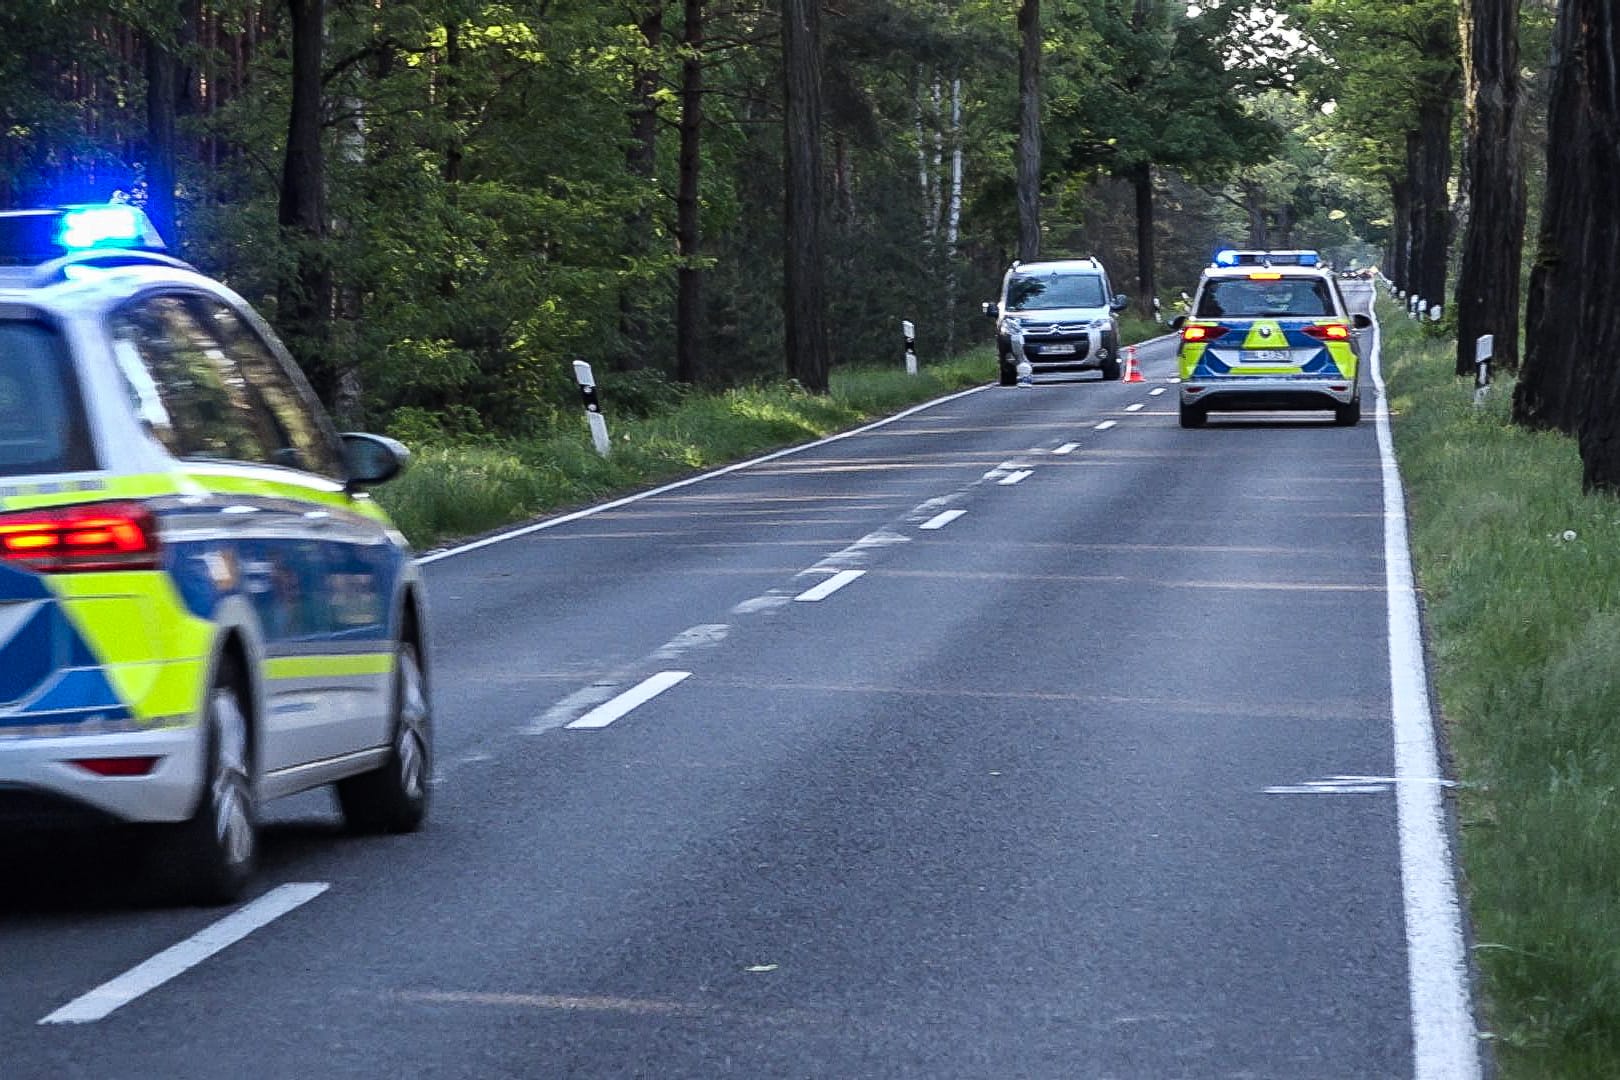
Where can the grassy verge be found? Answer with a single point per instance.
(459, 490)
(1522, 592)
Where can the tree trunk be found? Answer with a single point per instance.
(1416, 217)
(305, 298)
(805, 306)
(1493, 247)
(1400, 244)
(1029, 130)
(641, 159)
(1434, 137)
(161, 103)
(1142, 181)
(688, 276)
(1572, 327)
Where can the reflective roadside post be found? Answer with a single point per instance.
(1483, 350)
(909, 330)
(593, 407)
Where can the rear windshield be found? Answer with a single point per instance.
(42, 426)
(1034, 292)
(1301, 297)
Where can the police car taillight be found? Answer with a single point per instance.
(1329, 332)
(1202, 332)
(78, 539)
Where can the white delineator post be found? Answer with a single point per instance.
(593, 407)
(909, 330)
(1484, 349)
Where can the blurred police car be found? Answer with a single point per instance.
(1269, 330)
(200, 607)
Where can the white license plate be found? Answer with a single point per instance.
(1057, 350)
(1271, 357)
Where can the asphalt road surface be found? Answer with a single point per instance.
(1027, 735)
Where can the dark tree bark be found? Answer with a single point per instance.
(805, 306)
(1488, 279)
(641, 159)
(689, 277)
(162, 73)
(1434, 199)
(1142, 181)
(304, 300)
(1570, 381)
(1029, 130)
(1400, 244)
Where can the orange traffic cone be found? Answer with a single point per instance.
(1133, 369)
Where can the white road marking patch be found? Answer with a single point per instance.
(939, 521)
(640, 694)
(1156, 391)
(1138, 407)
(768, 602)
(1016, 477)
(856, 553)
(830, 586)
(1334, 786)
(1444, 1042)
(1067, 448)
(1106, 424)
(706, 636)
(179, 958)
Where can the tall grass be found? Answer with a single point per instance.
(1521, 580)
(461, 489)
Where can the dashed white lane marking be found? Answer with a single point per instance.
(1138, 407)
(830, 586)
(552, 523)
(1106, 424)
(939, 521)
(1067, 448)
(1015, 477)
(179, 958)
(1156, 391)
(1444, 1043)
(643, 692)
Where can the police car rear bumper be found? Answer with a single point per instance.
(1257, 392)
(40, 785)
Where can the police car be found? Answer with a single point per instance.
(1269, 330)
(201, 608)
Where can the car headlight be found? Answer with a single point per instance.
(1099, 324)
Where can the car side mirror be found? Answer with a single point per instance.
(372, 459)
(1361, 321)
(1178, 322)
(990, 308)
(1119, 303)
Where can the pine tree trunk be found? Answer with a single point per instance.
(161, 75)
(305, 299)
(805, 307)
(1142, 181)
(689, 277)
(1570, 381)
(1488, 279)
(1400, 244)
(1029, 130)
(640, 159)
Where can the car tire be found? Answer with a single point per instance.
(1348, 415)
(210, 858)
(1009, 372)
(393, 797)
(1193, 416)
(1110, 369)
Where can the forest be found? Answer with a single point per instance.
(442, 204)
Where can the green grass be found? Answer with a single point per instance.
(1521, 582)
(459, 490)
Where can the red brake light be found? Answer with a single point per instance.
(1329, 332)
(117, 766)
(1202, 332)
(90, 536)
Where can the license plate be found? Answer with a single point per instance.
(1271, 357)
(1057, 350)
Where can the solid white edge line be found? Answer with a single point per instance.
(1445, 1045)
(1016, 477)
(552, 523)
(830, 586)
(638, 695)
(942, 519)
(181, 957)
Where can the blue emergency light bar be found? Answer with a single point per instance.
(1232, 257)
(32, 237)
